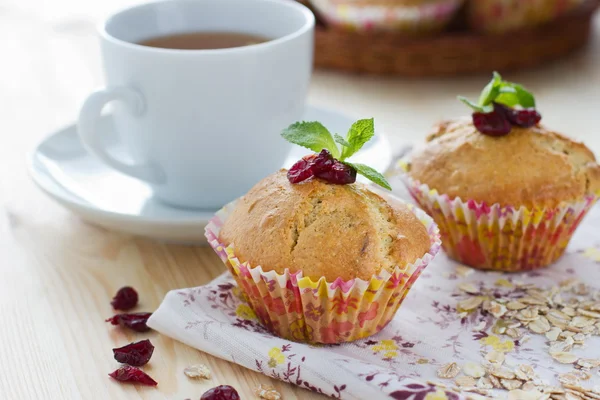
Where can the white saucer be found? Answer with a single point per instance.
(66, 172)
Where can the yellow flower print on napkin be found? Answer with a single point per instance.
(276, 357)
(437, 395)
(592, 253)
(245, 312)
(389, 348)
(497, 344)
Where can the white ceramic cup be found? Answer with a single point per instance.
(201, 126)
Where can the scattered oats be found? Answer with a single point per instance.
(530, 300)
(484, 383)
(497, 309)
(514, 333)
(495, 382)
(197, 371)
(553, 333)
(564, 335)
(572, 396)
(519, 394)
(568, 379)
(553, 390)
(524, 339)
(588, 363)
(473, 369)
(465, 381)
(582, 375)
(540, 325)
(514, 324)
(564, 357)
(558, 318)
(590, 314)
(544, 310)
(527, 386)
(588, 330)
(595, 306)
(439, 384)
(580, 321)
(468, 287)
(511, 384)
(569, 311)
(448, 371)
(469, 304)
(578, 338)
(495, 357)
(267, 392)
(464, 271)
(527, 315)
(501, 372)
(525, 372)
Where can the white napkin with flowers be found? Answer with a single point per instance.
(397, 363)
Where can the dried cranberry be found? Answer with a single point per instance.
(494, 123)
(135, 321)
(125, 299)
(132, 375)
(223, 392)
(324, 161)
(339, 174)
(524, 118)
(136, 354)
(300, 171)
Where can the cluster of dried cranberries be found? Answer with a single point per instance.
(322, 166)
(500, 121)
(223, 392)
(134, 354)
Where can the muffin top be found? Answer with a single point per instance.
(323, 230)
(530, 166)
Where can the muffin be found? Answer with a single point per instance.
(499, 16)
(409, 16)
(318, 261)
(507, 202)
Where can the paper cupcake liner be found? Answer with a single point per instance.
(496, 16)
(500, 238)
(300, 309)
(365, 17)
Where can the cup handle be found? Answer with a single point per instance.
(90, 136)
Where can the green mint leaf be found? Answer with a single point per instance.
(360, 133)
(471, 104)
(500, 91)
(312, 135)
(507, 96)
(371, 175)
(341, 140)
(526, 98)
(491, 91)
(512, 94)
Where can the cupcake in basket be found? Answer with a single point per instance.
(498, 16)
(506, 192)
(410, 16)
(320, 258)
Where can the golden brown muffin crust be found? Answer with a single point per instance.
(530, 166)
(335, 231)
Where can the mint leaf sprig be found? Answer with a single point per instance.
(314, 136)
(503, 92)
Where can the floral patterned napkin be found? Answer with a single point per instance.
(397, 363)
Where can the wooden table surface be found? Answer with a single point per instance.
(57, 274)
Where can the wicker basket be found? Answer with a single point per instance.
(454, 52)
